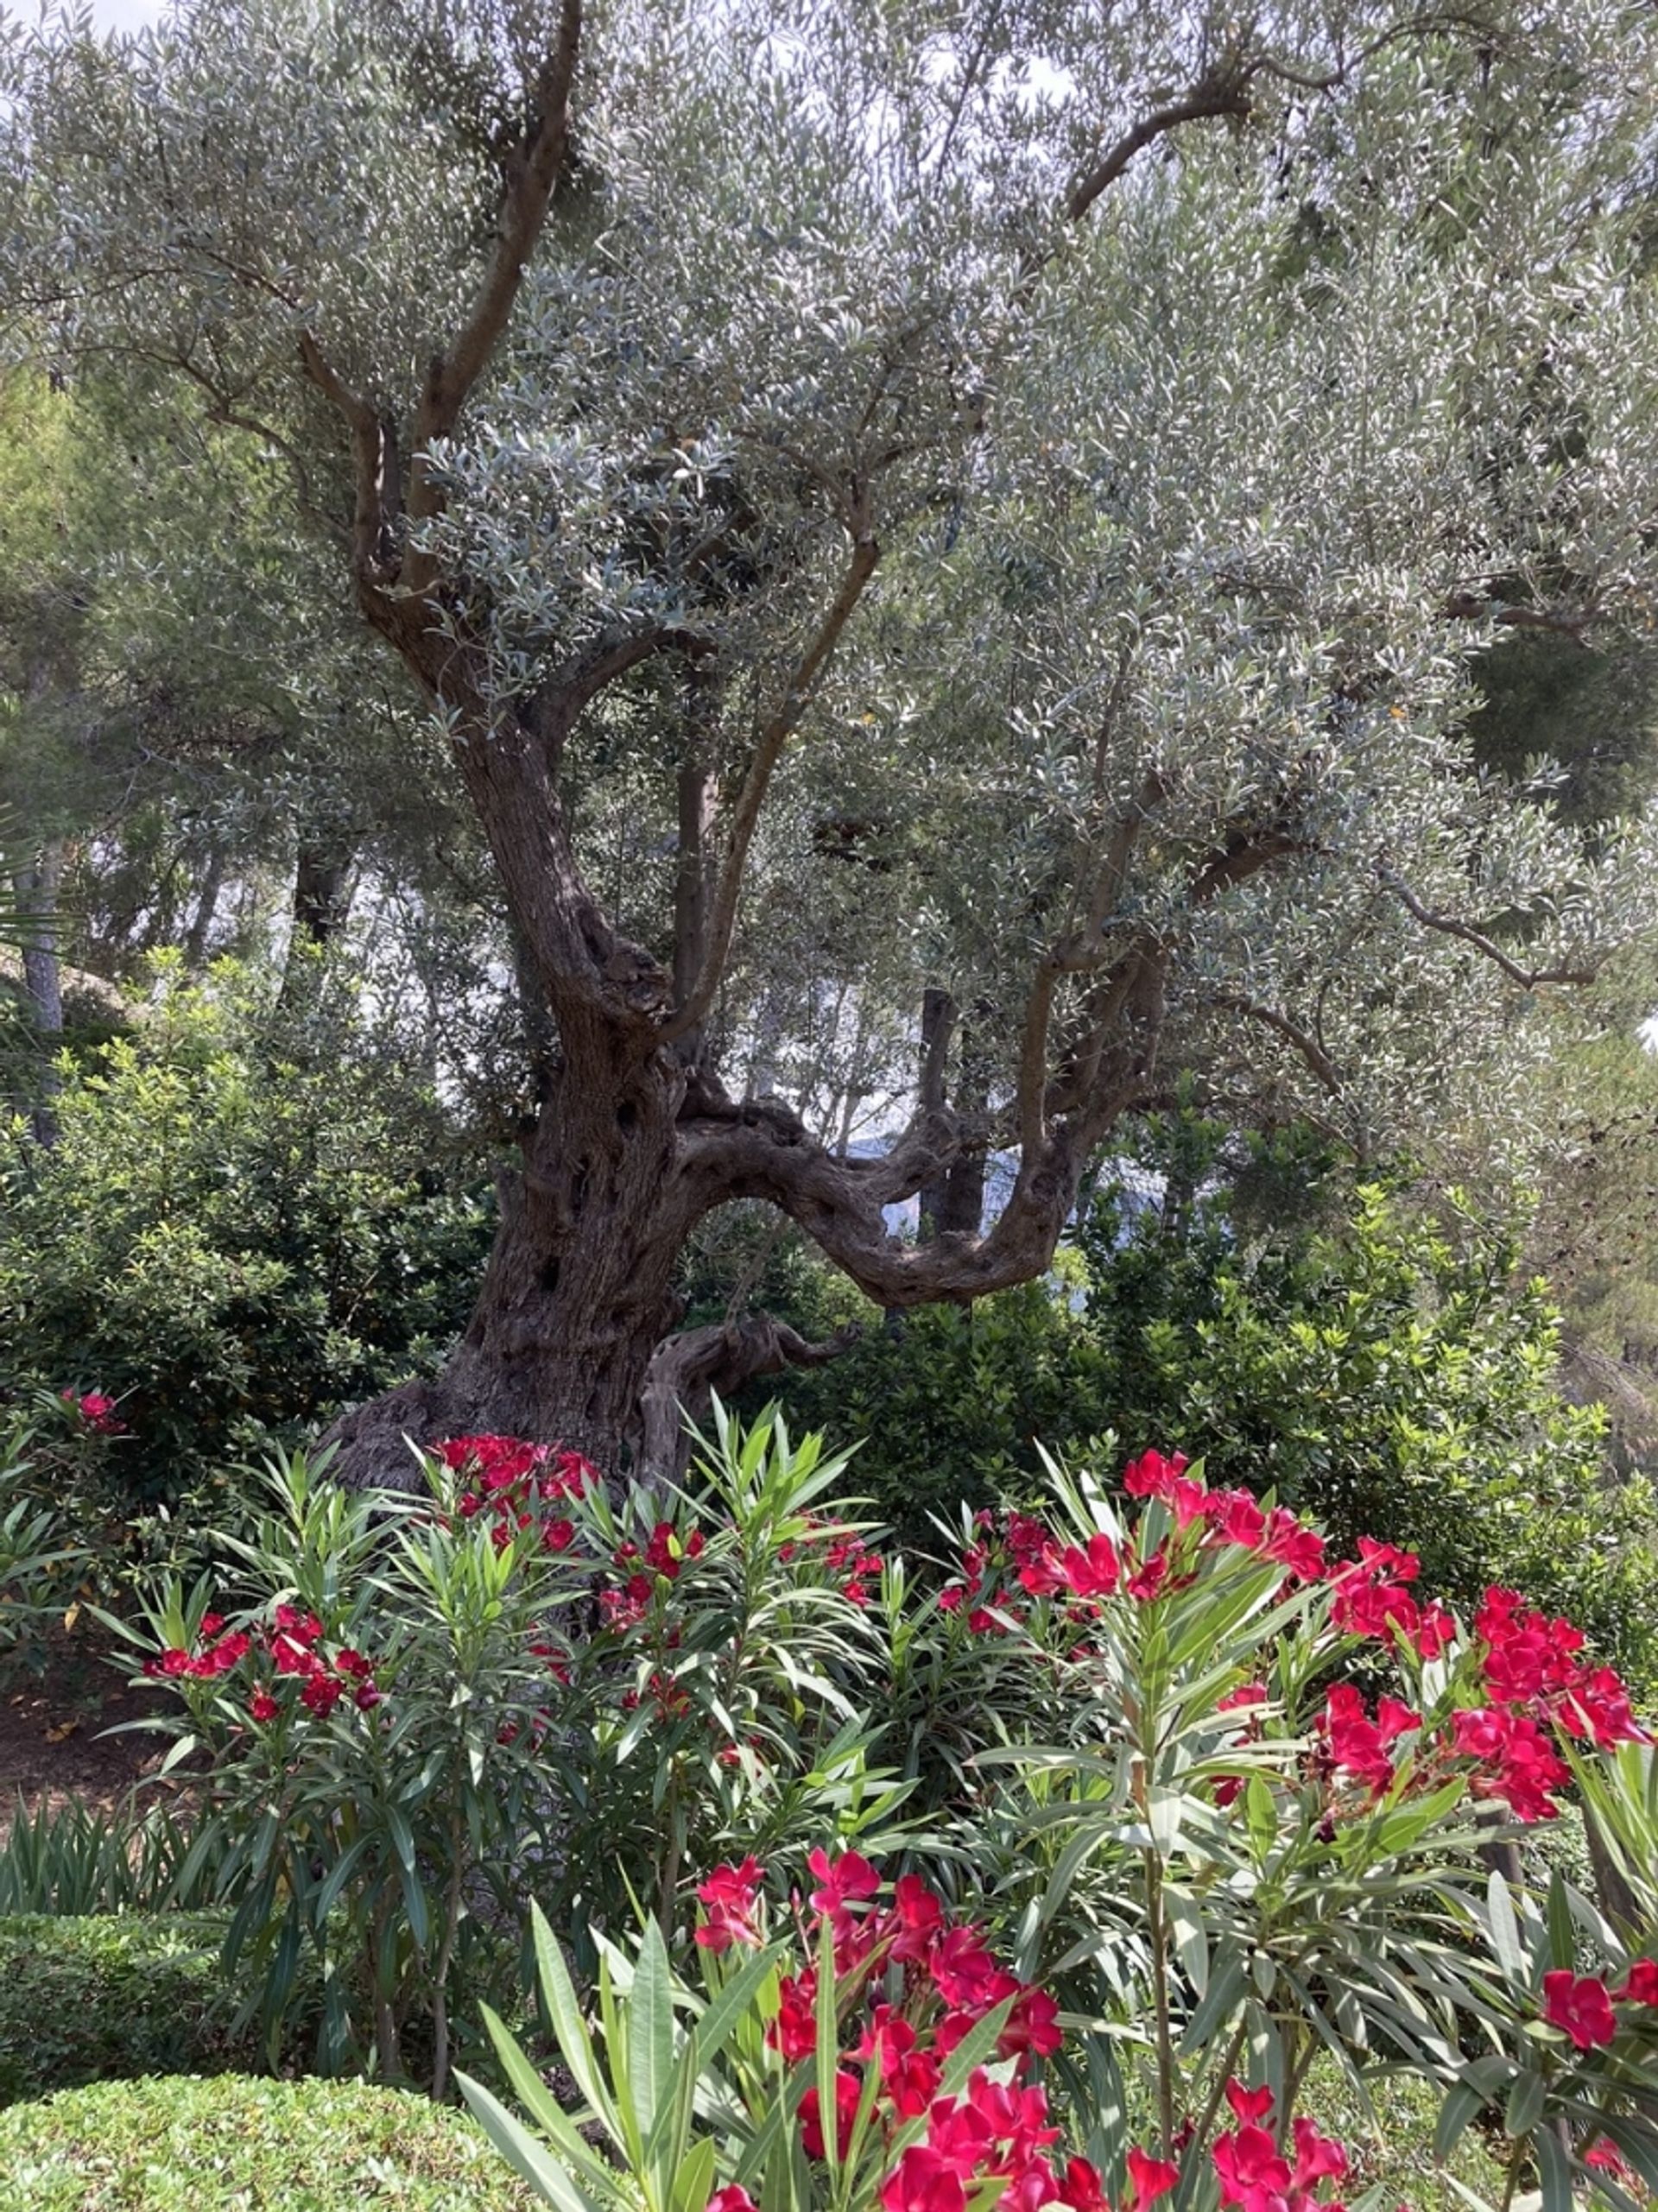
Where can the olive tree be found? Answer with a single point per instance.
(983, 506)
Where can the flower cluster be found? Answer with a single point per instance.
(97, 1411)
(288, 1647)
(1535, 1683)
(1581, 2004)
(1255, 2173)
(518, 1485)
(910, 1982)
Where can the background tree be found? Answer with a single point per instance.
(979, 502)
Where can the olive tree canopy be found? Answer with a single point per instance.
(983, 509)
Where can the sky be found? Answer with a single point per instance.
(125, 15)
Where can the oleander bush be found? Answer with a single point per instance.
(178, 2144)
(1208, 1800)
(1258, 1834)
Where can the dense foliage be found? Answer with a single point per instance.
(109, 1997)
(248, 1217)
(1382, 1359)
(180, 2144)
(873, 589)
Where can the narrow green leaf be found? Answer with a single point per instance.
(650, 2030)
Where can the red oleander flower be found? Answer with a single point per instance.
(1291, 1544)
(1152, 1476)
(848, 2090)
(794, 2032)
(1604, 2157)
(366, 1697)
(1033, 2025)
(730, 1896)
(842, 1881)
(920, 1917)
(963, 1971)
(353, 1663)
(1235, 1517)
(1251, 2105)
(291, 1657)
(98, 1410)
(1317, 2158)
(1091, 1573)
(1081, 2188)
(1578, 2003)
(211, 1625)
(1598, 1704)
(909, 2075)
(1522, 1764)
(922, 2182)
(559, 1536)
(303, 1628)
(1639, 1986)
(321, 1694)
(1358, 1745)
(1249, 2167)
(1147, 1580)
(261, 1706)
(1150, 2178)
(733, 2198)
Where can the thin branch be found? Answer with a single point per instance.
(1224, 90)
(1303, 1042)
(531, 174)
(1448, 926)
(768, 752)
(1238, 861)
(1470, 606)
(369, 454)
(580, 679)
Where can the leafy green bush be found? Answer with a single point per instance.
(177, 2144)
(953, 1401)
(39, 1563)
(105, 1997)
(239, 1228)
(1393, 1373)
(1395, 1378)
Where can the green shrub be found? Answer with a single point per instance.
(1392, 1372)
(242, 1225)
(178, 2145)
(951, 1401)
(100, 1998)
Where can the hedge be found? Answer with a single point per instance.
(101, 1998)
(180, 2144)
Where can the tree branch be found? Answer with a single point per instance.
(686, 1370)
(531, 173)
(1303, 1042)
(1448, 926)
(1470, 606)
(369, 456)
(722, 922)
(1224, 90)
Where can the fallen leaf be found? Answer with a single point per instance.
(63, 1729)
